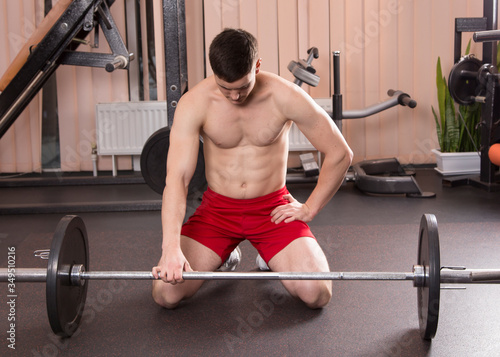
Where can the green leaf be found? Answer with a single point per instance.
(463, 119)
(467, 50)
(438, 128)
(441, 92)
(498, 54)
(471, 117)
(453, 138)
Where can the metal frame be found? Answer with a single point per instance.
(113, 37)
(174, 23)
(488, 22)
(132, 43)
(55, 49)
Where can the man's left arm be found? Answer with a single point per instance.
(324, 135)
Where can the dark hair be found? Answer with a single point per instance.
(232, 54)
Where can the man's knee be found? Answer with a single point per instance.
(315, 293)
(167, 298)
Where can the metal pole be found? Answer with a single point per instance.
(469, 276)
(140, 275)
(486, 36)
(447, 276)
(174, 25)
(23, 275)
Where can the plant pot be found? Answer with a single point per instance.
(457, 163)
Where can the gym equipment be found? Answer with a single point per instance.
(428, 294)
(309, 165)
(472, 80)
(303, 71)
(58, 47)
(175, 47)
(154, 163)
(65, 300)
(67, 274)
(383, 176)
(386, 176)
(463, 80)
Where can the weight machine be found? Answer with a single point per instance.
(474, 81)
(58, 46)
(383, 176)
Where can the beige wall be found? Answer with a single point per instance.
(19, 147)
(384, 43)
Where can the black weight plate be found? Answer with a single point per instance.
(154, 163)
(65, 302)
(463, 89)
(428, 295)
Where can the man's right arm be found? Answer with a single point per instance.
(181, 164)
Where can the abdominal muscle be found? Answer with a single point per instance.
(245, 171)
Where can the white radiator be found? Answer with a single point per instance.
(123, 128)
(297, 140)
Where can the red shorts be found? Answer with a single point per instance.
(221, 223)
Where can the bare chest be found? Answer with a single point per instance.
(242, 126)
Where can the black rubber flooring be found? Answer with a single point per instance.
(257, 318)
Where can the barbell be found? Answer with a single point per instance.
(67, 274)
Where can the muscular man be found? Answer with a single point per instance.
(244, 115)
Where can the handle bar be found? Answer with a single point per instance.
(398, 97)
(403, 98)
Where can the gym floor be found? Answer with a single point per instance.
(358, 232)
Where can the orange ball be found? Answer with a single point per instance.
(494, 154)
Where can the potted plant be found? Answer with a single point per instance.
(457, 131)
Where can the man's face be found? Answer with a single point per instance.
(238, 91)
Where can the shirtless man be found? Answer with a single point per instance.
(244, 115)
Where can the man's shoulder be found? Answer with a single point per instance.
(278, 87)
(200, 92)
(273, 78)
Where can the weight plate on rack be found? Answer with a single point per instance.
(154, 163)
(65, 302)
(465, 86)
(428, 295)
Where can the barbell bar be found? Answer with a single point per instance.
(447, 275)
(66, 276)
